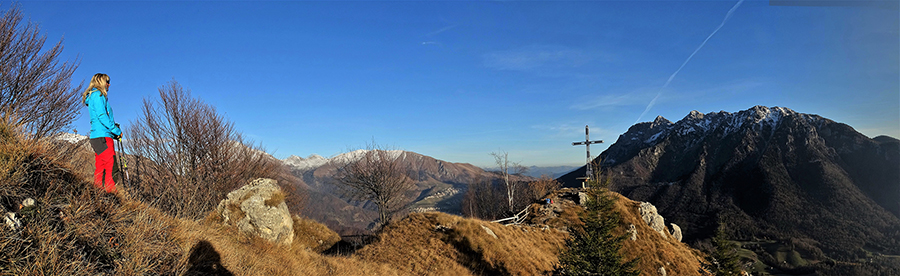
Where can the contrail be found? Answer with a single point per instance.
(653, 102)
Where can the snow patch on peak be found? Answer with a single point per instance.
(315, 161)
(769, 116)
(359, 154)
(311, 162)
(315, 156)
(653, 138)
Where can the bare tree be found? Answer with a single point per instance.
(36, 93)
(484, 200)
(378, 175)
(502, 161)
(188, 156)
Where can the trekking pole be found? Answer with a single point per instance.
(122, 159)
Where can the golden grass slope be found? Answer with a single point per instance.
(442, 244)
(653, 249)
(75, 230)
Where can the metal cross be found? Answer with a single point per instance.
(587, 143)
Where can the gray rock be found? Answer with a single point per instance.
(28, 202)
(252, 209)
(489, 232)
(676, 232)
(11, 221)
(662, 270)
(652, 218)
(633, 231)
(582, 198)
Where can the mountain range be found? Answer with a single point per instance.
(440, 186)
(766, 174)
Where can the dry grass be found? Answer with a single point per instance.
(443, 244)
(213, 245)
(277, 198)
(76, 230)
(312, 236)
(654, 250)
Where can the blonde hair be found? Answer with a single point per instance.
(99, 81)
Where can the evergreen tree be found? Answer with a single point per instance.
(724, 259)
(594, 249)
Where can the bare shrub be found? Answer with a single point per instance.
(484, 200)
(543, 186)
(487, 199)
(189, 156)
(502, 161)
(36, 92)
(379, 176)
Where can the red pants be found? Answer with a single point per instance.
(106, 166)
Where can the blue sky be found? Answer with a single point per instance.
(458, 80)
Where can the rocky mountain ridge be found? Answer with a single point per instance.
(765, 174)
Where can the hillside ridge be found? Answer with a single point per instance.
(766, 173)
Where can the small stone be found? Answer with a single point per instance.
(489, 232)
(633, 231)
(11, 221)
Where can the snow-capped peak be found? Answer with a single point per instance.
(311, 162)
(761, 115)
(314, 161)
(70, 137)
(697, 123)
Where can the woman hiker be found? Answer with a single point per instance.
(103, 130)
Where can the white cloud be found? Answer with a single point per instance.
(635, 97)
(532, 57)
(444, 29)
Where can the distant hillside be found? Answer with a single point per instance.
(440, 186)
(536, 171)
(768, 174)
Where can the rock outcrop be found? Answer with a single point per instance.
(652, 218)
(676, 232)
(632, 232)
(259, 208)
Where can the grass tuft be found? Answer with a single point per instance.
(277, 198)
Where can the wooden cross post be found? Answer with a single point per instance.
(587, 143)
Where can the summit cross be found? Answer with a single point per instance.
(589, 172)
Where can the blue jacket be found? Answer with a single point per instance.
(102, 122)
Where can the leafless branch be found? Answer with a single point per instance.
(379, 176)
(36, 90)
